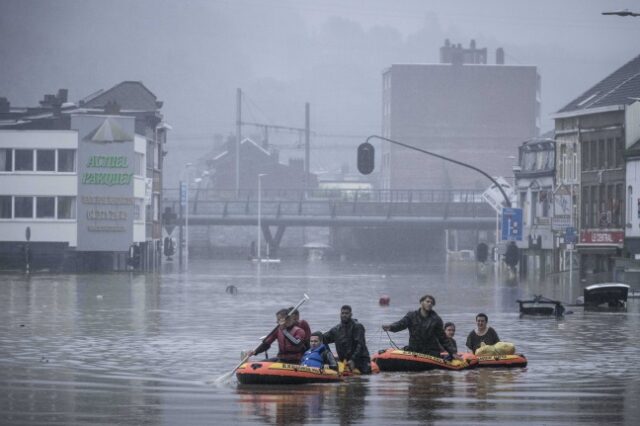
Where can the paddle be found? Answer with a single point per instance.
(226, 376)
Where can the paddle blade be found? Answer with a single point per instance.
(226, 378)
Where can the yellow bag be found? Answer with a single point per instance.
(485, 350)
(505, 348)
(500, 348)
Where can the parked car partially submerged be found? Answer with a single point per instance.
(606, 296)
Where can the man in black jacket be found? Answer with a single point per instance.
(426, 332)
(349, 339)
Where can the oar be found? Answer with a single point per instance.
(226, 376)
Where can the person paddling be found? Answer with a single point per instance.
(426, 332)
(319, 354)
(291, 340)
(482, 334)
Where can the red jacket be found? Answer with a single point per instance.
(304, 325)
(291, 343)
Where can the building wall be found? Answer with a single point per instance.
(632, 213)
(39, 184)
(473, 113)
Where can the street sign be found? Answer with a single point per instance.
(511, 224)
(570, 235)
(183, 193)
(494, 196)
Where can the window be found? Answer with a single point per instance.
(150, 154)
(5, 206)
(46, 160)
(593, 165)
(602, 161)
(138, 164)
(586, 202)
(66, 207)
(45, 207)
(585, 156)
(6, 160)
(619, 150)
(24, 159)
(629, 208)
(66, 160)
(23, 207)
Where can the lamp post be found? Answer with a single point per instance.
(187, 169)
(259, 215)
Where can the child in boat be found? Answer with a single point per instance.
(450, 331)
(319, 354)
(482, 334)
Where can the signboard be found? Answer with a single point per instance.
(494, 197)
(590, 236)
(570, 235)
(106, 203)
(183, 194)
(561, 208)
(511, 224)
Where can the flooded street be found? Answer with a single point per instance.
(146, 349)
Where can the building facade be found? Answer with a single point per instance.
(594, 131)
(535, 184)
(77, 185)
(473, 112)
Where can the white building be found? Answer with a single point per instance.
(81, 193)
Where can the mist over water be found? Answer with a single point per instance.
(193, 55)
(146, 349)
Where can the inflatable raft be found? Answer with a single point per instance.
(399, 360)
(504, 361)
(278, 373)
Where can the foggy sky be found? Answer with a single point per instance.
(283, 53)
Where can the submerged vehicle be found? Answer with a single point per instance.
(540, 305)
(400, 360)
(606, 296)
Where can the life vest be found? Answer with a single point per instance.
(313, 357)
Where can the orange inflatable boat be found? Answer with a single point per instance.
(278, 373)
(399, 360)
(504, 361)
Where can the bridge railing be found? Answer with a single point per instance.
(365, 195)
(394, 203)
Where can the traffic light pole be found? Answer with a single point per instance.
(442, 157)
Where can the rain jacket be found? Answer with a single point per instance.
(290, 343)
(426, 333)
(318, 357)
(350, 344)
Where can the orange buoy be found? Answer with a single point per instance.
(384, 300)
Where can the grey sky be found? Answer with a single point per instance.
(283, 53)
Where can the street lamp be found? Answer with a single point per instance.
(259, 258)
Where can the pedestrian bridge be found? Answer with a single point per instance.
(335, 208)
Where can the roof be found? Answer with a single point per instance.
(619, 88)
(130, 95)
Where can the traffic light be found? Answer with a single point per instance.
(366, 158)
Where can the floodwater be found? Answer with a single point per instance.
(132, 349)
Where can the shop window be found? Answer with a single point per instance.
(46, 160)
(23, 207)
(66, 207)
(45, 207)
(5, 206)
(6, 160)
(24, 159)
(138, 165)
(66, 160)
